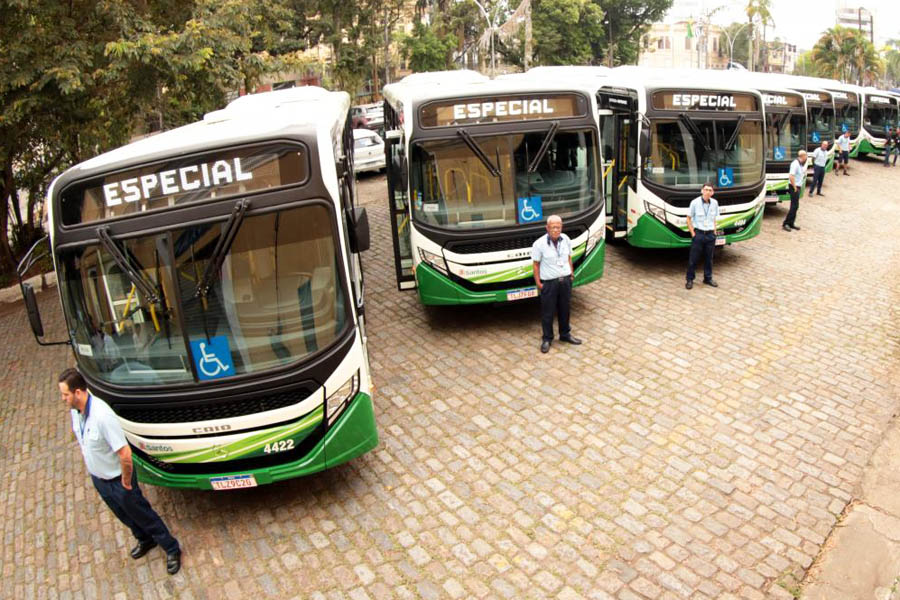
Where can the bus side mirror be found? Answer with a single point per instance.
(359, 230)
(644, 144)
(34, 313)
(393, 136)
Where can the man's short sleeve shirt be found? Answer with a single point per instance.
(820, 157)
(844, 143)
(100, 436)
(799, 172)
(553, 258)
(703, 216)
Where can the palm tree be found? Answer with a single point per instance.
(759, 11)
(844, 53)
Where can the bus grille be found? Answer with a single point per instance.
(211, 410)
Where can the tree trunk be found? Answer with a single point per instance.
(7, 261)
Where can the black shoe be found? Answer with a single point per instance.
(545, 346)
(689, 283)
(142, 548)
(570, 340)
(710, 283)
(795, 227)
(786, 227)
(820, 194)
(173, 562)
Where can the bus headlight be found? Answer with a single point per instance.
(594, 239)
(433, 260)
(656, 211)
(339, 399)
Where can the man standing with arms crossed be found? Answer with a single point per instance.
(701, 222)
(108, 459)
(820, 159)
(552, 256)
(843, 144)
(796, 176)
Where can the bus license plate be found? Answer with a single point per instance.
(232, 482)
(720, 240)
(520, 294)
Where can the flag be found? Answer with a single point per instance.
(690, 32)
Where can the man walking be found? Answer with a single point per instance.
(701, 222)
(820, 159)
(552, 256)
(843, 144)
(891, 144)
(108, 459)
(796, 176)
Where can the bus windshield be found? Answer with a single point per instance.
(785, 135)
(687, 152)
(276, 299)
(478, 182)
(847, 118)
(821, 124)
(879, 118)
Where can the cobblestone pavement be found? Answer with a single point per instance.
(699, 444)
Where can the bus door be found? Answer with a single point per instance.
(618, 141)
(398, 198)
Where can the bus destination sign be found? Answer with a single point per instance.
(184, 180)
(878, 99)
(707, 101)
(503, 109)
(816, 97)
(774, 99)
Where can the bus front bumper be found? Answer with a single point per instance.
(777, 192)
(866, 147)
(649, 232)
(352, 435)
(437, 289)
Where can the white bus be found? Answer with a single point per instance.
(664, 133)
(212, 290)
(880, 113)
(475, 167)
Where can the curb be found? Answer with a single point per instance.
(42, 282)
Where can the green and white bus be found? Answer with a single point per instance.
(212, 289)
(475, 167)
(847, 101)
(664, 133)
(880, 113)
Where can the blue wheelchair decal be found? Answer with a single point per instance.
(844, 128)
(530, 209)
(212, 357)
(726, 177)
(780, 152)
(815, 136)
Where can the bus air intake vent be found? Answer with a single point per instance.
(503, 245)
(210, 411)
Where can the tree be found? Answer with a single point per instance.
(567, 32)
(426, 50)
(846, 54)
(805, 65)
(758, 12)
(892, 63)
(626, 22)
(737, 39)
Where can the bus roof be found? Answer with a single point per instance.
(419, 91)
(301, 110)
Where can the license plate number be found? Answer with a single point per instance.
(520, 294)
(233, 482)
(720, 241)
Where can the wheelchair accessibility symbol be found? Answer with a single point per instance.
(530, 209)
(212, 357)
(780, 152)
(844, 128)
(815, 136)
(726, 177)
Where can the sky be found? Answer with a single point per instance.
(796, 21)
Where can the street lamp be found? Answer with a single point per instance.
(731, 42)
(492, 25)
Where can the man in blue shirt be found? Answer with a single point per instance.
(108, 458)
(843, 143)
(796, 177)
(820, 159)
(701, 222)
(552, 257)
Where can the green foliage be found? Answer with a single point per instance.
(627, 22)
(805, 65)
(566, 32)
(847, 54)
(740, 34)
(426, 50)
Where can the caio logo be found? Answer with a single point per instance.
(212, 429)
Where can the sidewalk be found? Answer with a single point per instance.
(861, 558)
(13, 294)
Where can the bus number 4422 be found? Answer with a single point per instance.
(279, 446)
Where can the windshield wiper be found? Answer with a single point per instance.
(544, 147)
(737, 130)
(477, 151)
(222, 247)
(134, 273)
(695, 131)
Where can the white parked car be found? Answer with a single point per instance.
(368, 151)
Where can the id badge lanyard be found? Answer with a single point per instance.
(559, 259)
(84, 417)
(706, 210)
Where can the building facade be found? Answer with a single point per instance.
(682, 45)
